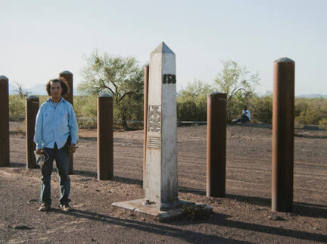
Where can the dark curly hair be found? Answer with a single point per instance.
(63, 84)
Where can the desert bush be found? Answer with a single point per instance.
(323, 123)
(16, 107)
(310, 111)
(309, 116)
(261, 109)
(192, 102)
(86, 106)
(86, 111)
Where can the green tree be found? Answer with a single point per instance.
(122, 77)
(239, 85)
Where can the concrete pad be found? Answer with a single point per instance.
(140, 208)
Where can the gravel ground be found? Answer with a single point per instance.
(243, 216)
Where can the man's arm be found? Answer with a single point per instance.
(38, 130)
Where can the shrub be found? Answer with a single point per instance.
(323, 123)
(192, 102)
(310, 110)
(16, 107)
(261, 109)
(85, 106)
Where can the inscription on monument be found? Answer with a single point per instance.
(154, 115)
(154, 122)
(169, 79)
(154, 142)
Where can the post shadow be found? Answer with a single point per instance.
(160, 229)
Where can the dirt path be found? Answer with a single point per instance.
(242, 217)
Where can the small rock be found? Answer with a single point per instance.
(32, 201)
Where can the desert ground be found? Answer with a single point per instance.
(243, 216)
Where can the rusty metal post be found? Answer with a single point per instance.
(4, 121)
(105, 167)
(67, 76)
(283, 135)
(145, 119)
(216, 145)
(31, 108)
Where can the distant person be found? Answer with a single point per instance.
(245, 117)
(56, 134)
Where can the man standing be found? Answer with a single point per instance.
(56, 134)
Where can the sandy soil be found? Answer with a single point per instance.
(243, 216)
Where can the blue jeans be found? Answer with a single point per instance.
(62, 161)
(243, 119)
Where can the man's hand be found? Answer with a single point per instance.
(39, 151)
(72, 148)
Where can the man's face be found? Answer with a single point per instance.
(55, 90)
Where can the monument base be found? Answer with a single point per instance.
(138, 207)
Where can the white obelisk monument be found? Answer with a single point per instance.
(160, 181)
(161, 150)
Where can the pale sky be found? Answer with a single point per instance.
(40, 38)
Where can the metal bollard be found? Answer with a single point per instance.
(68, 77)
(283, 135)
(105, 137)
(216, 145)
(4, 122)
(31, 108)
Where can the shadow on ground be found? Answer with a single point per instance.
(196, 237)
(186, 235)
(299, 208)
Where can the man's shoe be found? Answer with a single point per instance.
(44, 207)
(65, 207)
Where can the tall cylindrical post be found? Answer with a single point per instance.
(283, 135)
(216, 144)
(145, 119)
(31, 108)
(4, 121)
(105, 137)
(67, 77)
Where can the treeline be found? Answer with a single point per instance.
(192, 106)
(308, 111)
(122, 78)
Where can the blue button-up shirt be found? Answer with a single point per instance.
(54, 123)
